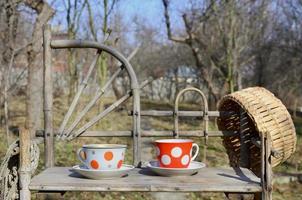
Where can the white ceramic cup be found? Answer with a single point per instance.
(102, 156)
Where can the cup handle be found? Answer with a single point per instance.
(79, 155)
(196, 152)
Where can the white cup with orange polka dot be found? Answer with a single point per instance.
(102, 156)
(175, 153)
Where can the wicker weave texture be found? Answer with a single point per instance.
(259, 111)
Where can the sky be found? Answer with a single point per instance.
(148, 11)
(152, 11)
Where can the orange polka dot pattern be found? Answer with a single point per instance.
(108, 155)
(174, 155)
(102, 159)
(94, 164)
(119, 164)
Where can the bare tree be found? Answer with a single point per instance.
(9, 21)
(35, 70)
(107, 9)
(74, 10)
(219, 34)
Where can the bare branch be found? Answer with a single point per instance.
(114, 2)
(168, 24)
(78, 16)
(90, 19)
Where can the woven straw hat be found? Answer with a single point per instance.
(261, 112)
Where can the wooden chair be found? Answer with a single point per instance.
(61, 179)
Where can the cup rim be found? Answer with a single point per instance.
(104, 146)
(171, 141)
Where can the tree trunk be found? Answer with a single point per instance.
(9, 35)
(35, 70)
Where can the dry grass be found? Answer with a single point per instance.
(65, 152)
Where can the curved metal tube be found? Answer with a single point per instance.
(62, 44)
(205, 114)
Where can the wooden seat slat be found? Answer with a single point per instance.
(207, 180)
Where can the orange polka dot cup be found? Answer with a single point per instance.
(175, 153)
(102, 156)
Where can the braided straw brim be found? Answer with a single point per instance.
(261, 112)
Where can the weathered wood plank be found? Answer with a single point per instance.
(170, 113)
(100, 92)
(195, 133)
(136, 127)
(208, 179)
(98, 95)
(48, 98)
(76, 98)
(274, 152)
(268, 168)
(101, 115)
(25, 164)
(83, 85)
(150, 133)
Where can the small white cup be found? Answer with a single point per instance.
(102, 156)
